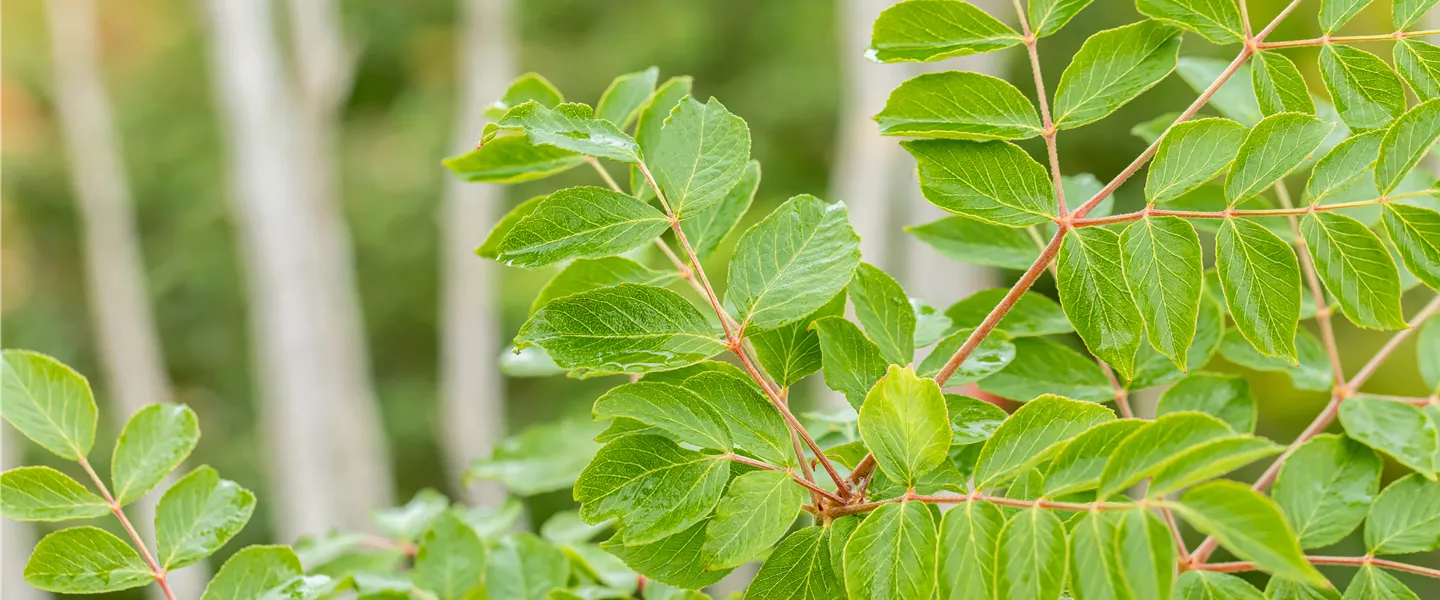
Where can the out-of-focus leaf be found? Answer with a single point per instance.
(1249, 525)
(511, 159)
(1033, 315)
(1325, 488)
(622, 101)
(1226, 397)
(541, 458)
(1405, 517)
(1044, 367)
(1400, 430)
(978, 242)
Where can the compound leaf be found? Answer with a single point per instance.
(1164, 272)
(1191, 154)
(1274, 147)
(1356, 268)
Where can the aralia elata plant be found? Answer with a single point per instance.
(705, 467)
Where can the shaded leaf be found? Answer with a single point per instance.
(586, 274)
(884, 312)
(1080, 462)
(1312, 373)
(707, 228)
(1416, 233)
(791, 352)
(969, 534)
(1209, 460)
(450, 560)
(1405, 517)
(1419, 63)
(1226, 397)
(511, 159)
(1216, 20)
(1407, 141)
(540, 458)
(1207, 585)
(1345, 164)
(1033, 315)
(1030, 560)
(993, 353)
(1356, 268)
(978, 242)
(673, 560)
(621, 102)
(686, 415)
(1400, 430)
(1279, 87)
(524, 567)
(1371, 583)
(753, 422)
(1325, 488)
(851, 361)
(1044, 367)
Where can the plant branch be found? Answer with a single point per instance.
(1346, 561)
(734, 342)
(1122, 395)
(809, 485)
(119, 513)
(1344, 39)
(1048, 126)
(1150, 211)
(1322, 310)
(1175, 533)
(996, 500)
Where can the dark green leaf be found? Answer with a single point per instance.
(1112, 68)
(1416, 233)
(753, 422)
(622, 101)
(580, 222)
(511, 159)
(1366, 92)
(799, 569)
(995, 182)
(926, 30)
(1400, 430)
(792, 262)
(755, 512)
(651, 123)
(1279, 87)
(1312, 373)
(978, 242)
(587, 274)
(891, 555)
(686, 415)
(1037, 431)
(1273, 148)
(1164, 272)
(1419, 63)
(707, 228)
(969, 534)
(1226, 397)
(1093, 572)
(884, 312)
(628, 328)
(1249, 525)
(1343, 165)
(1154, 446)
(1095, 296)
(85, 560)
(1044, 367)
(851, 361)
(1031, 556)
(1405, 518)
(1325, 488)
(154, 442)
(791, 352)
(971, 420)
(1033, 315)
(700, 155)
(673, 560)
(490, 248)
(1356, 268)
(572, 127)
(198, 515)
(1261, 279)
(654, 487)
(44, 494)
(1191, 154)
(930, 324)
(958, 105)
(905, 424)
(49, 403)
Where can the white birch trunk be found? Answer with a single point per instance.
(472, 401)
(129, 344)
(307, 342)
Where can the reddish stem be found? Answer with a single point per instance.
(119, 513)
(1344, 561)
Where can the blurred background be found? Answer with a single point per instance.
(239, 205)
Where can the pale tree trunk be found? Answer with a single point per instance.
(472, 401)
(307, 342)
(129, 344)
(16, 538)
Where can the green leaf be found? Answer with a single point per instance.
(654, 487)
(754, 423)
(706, 229)
(1215, 20)
(1400, 430)
(1226, 397)
(686, 415)
(905, 424)
(972, 420)
(1249, 525)
(1371, 583)
(154, 442)
(1112, 68)
(49, 403)
(628, 328)
(851, 361)
(589, 273)
(44, 494)
(1325, 488)
(651, 123)
(1031, 556)
(1080, 462)
(410, 521)
(450, 561)
(1043, 367)
(198, 515)
(1334, 14)
(1154, 446)
(1261, 280)
(1279, 87)
(525, 88)
(622, 101)
(1048, 16)
(1416, 233)
(580, 222)
(1405, 13)
(958, 105)
(1356, 267)
(1343, 165)
(1164, 271)
(1153, 368)
(85, 560)
(755, 512)
(1207, 585)
(798, 569)
(1191, 154)
(891, 555)
(1365, 91)
(792, 262)
(978, 242)
(1427, 352)
(1405, 517)
(969, 534)
(839, 533)
(1419, 63)
(1283, 589)
(1312, 373)
(995, 182)
(673, 560)
(1033, 315)
(1035, 432)
(1235, 99)
(1095, 296)
(1272, 149)
(524, 567)
(1093, 572)
(930, 324)
(791, 352)
(926, 30)
(490, 248)
(1407, 141)
(992, 355)
(511, 159)
(541, 458)
(1209, 460)
(572, 127)
(884, 312)
(1145, 555)
(701, 153)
